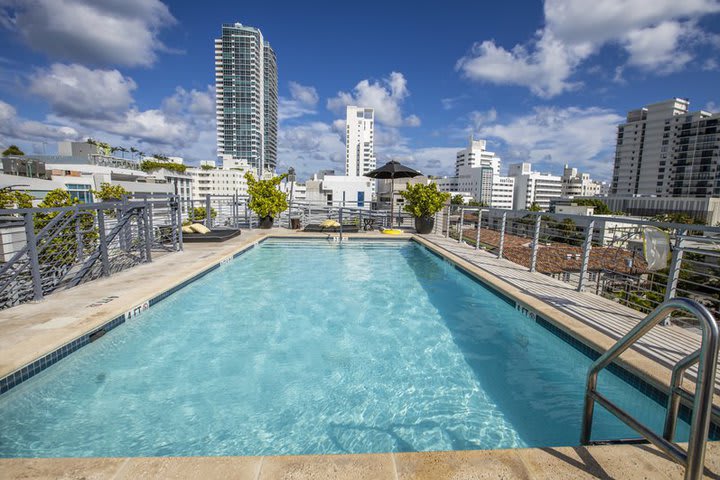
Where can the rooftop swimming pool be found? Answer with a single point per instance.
(312, 347)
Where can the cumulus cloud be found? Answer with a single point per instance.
(385, 96)
(15, 129)
(75, 90)
(106, 32)
(311, 147)
(303, 100)
(551, 137)
(657, 35)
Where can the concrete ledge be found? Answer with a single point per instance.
(604, 462)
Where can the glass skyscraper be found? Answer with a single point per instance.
(246, 86)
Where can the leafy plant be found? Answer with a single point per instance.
(63, 248)
(535, 207)
(109, 192)
(266, 199)
(601, 207)
(199, 213)
(13, 150)
(14, 199)
(423, 200)
(150, 165)
(457, 200)
(207, 167)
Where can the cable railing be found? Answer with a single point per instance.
(605, 255)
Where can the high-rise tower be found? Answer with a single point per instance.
(359, 141)
(246, 98)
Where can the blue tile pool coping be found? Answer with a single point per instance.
(28, 371)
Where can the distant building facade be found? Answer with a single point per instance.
(533, 187)
(246, 89)
(665, 150)
(359, 141)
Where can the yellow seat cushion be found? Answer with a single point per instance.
(187, 229)
(329, 223)
(199, 228)
(392, 231)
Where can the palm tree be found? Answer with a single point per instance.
(133, 151)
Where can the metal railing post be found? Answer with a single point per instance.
(502, 235)
(178, 230)
(104, 259)
(535, 244)
(462, 224)
(477, 231)
(675, 265)
(208, 216)
(447, 220)
(435, 223)
(151, 221)
(674, 273)
(587, 246)
(340, 221)
(33, 256)
(146, 222)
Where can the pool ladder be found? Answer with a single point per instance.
(702, 400)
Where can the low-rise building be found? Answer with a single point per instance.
(326, 188)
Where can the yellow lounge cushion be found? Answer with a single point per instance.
(187, 229)
(199, 228)
(329, 223)
(392, 231)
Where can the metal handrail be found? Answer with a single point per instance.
(694, 458)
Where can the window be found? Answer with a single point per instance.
(80, 192)
(360, 199)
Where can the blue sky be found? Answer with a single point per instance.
(542, 82)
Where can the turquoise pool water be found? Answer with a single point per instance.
(310, 347)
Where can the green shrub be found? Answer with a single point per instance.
(109, 192)
(266, 200)
(14, 199)
(423, 200)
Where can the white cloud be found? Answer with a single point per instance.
(544, 66)
(712, 107)
(658, 35)
(75, 90)
(482, 118)
(107, 32)
(551, 137)
(311, 147)
(386, 97)
(303, 94)
(303, 101)
(15, 129)
(656, 48)
(710, 65)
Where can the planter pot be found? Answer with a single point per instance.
(424, 224)
(266, 222)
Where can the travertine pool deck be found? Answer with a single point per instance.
(32, 330)
(565, 463)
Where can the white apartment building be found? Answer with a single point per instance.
(359, 141)
(477, 174)
(579, 185)
(326, 188)
(246, 98)
(503, 193)
(665, 150)
(229, 179)
(533, 187)
(476, 155)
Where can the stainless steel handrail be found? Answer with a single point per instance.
(694, 458)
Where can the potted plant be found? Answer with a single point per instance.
(266, 200)
(423, 202)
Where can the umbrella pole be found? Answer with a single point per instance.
(392, 200)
